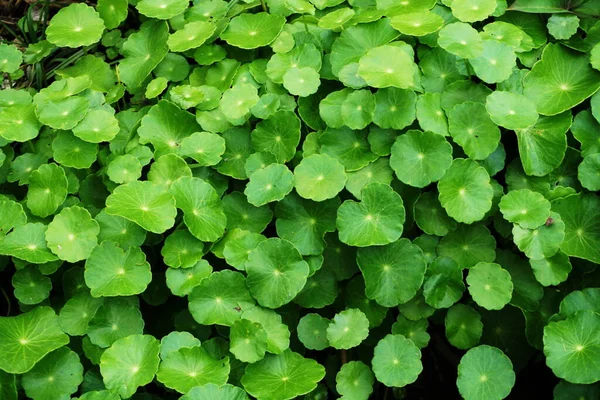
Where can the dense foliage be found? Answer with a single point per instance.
(300, 198)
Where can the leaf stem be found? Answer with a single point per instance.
(264, 6)
(8, 303)
(344, 356)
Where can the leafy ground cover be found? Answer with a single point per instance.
(280, 199)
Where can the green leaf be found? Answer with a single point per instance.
(418, 23)
(416, 331)
(129, 363)
(562, 26)
(463, 326)
(511, 110)
(358, 109)
(220, 298)
(249, 31)
(248, 341)
(269, 184)
(589, 172)
(560, 80)
(57, 375)
(279, 134)
(312, 331)
(395, 108)
(524, 207)
(552, 270)
(430, 217)
(182, 281)
(490, 285)
(444, 284)
(189, 367)
(461, 40)
(11, 58)
(202, 209)
(77, 312)
(282, 376)
(319, 177)
(543, 241)
(377, 220)
(465, 191)
(387, 66)
(420, 158)
(98, 125)
(182, 249)
(215, 392)
(542, 146)
(19, 123)
(11, 216)
(485, 372)
(203, 147)
(350, 147)
(278, 334)
(64, 113)
(301, 81)
(117, 318)
(304, 223)
(396, 361)
(28, 242)
(354, 380)
(471, 127)
(570, 344)
(144, 203)
(496, 62)
(74, 26)
(113, 12)
(110, 271)
(143, 51)
(175, 341)
(120, 230)
(165, 127)
(276, 272)
(47, 190)
(31, 287)
(191, 36)
(581, 233)
(347, 329)
(72, 234)
(73, 152)
(393, 273)
(29, 337)
(161, 9)
(472, 10)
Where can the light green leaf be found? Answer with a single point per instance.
(72, 234)
(276, 272)
(27, 338)
(377, 220)
(485, 372)
(465, 191)
(110, 271)
(282, 376)
(394, 273)
(129, 363)
(189, 367)
(396, 361)
(490, 285)
(144, 203)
